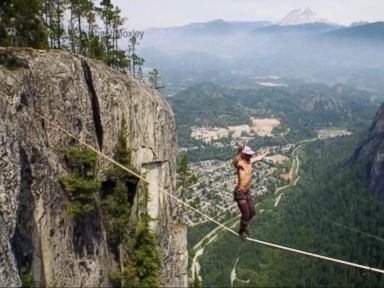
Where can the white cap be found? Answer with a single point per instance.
(248, 151)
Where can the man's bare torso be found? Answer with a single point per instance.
(244, 174)
(243, 164)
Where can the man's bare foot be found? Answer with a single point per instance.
(243, 235)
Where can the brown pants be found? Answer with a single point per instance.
(246, 206)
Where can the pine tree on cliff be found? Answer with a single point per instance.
(116, 22)
(111, 17)
(22, 24)
(79, 9)
(119, 59)
(154, 79)
(137, 61)
(144, 263)
(5, 23)
(133, 57)
(55, 15)
(185, 176)
(107, 14)
(94, 47)
(71, 29)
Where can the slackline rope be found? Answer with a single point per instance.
(267, 244)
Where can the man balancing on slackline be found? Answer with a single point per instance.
(243, 162)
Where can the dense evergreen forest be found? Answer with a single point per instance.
(329, 212)
(90, 28)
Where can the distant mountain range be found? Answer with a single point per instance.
(302, 46)
(216, 26)
(367, 31)
(315, 25)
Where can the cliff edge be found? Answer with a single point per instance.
(89, 100)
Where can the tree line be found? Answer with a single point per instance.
(80, 26)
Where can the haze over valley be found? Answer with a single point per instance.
(302, 46)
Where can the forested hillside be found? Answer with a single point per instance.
(302, 109)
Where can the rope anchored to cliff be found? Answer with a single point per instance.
(267, 244)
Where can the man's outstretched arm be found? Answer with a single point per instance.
(260, 156)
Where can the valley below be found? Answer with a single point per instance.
(212, 194)
(300, 128)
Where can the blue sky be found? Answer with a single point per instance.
(164, 13)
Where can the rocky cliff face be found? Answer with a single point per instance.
(323, 103)
(88, 99)
(372, 150)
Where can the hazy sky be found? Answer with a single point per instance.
(165, 13)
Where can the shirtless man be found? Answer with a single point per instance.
(243, 162)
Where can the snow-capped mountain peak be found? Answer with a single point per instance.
(302, 16)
